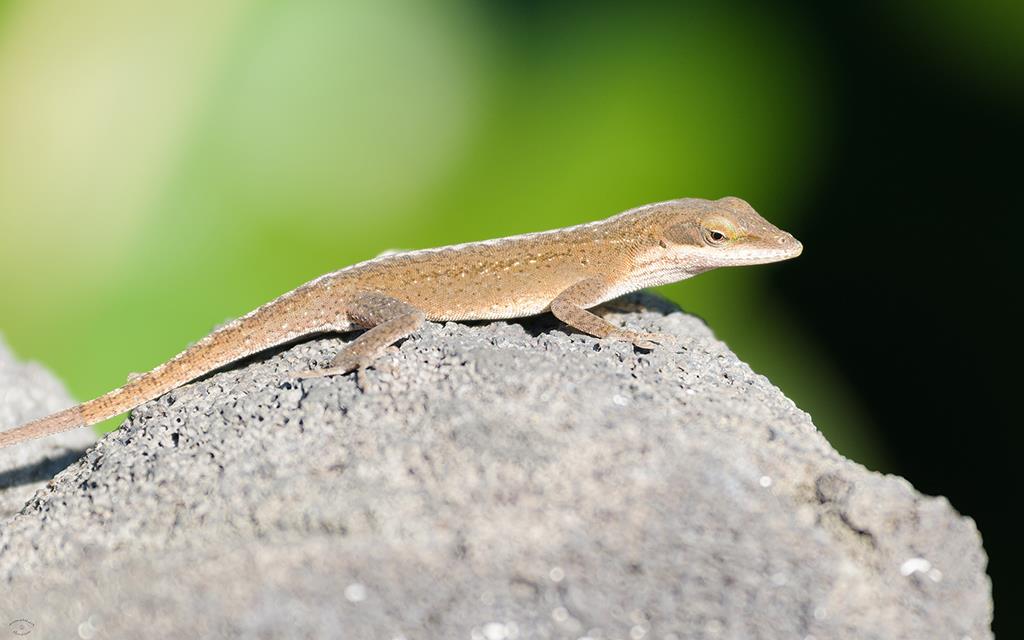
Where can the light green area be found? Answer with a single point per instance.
(207, 161)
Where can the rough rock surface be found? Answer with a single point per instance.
(491, 481)
(29, 391)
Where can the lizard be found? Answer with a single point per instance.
(565, 272)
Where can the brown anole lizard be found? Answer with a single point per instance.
(564, 271)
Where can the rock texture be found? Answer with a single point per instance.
(28, 391)
(500, 480)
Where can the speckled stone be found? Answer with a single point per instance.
(493, 480)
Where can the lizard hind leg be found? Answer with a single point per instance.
(388, 320)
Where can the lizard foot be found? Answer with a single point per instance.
(644, 340)
(345, 362)
(360, 372)
(319, 373)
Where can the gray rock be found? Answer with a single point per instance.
(493, 480)
(29, 391)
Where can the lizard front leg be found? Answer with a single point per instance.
(388, 320)
(570, 307)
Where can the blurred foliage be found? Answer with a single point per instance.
(166, 166)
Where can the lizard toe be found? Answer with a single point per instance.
(644, 340)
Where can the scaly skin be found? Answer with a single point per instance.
(565, 271)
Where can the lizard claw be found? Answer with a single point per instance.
(644, 340)
(345, 362)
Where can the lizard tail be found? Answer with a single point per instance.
(219, 348)
(108, 405)
(146, 387)
(243, 337)
(210, 353)
(70, 418)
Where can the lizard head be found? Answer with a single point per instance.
(705, 234)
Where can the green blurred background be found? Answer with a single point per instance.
(167, 166)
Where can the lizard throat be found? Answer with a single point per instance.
(652, 269)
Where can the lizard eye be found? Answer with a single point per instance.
(714, 236)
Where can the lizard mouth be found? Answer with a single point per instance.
(791, 249)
